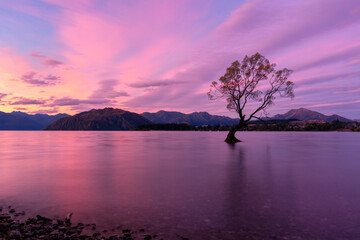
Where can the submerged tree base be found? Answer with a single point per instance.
(232, 139)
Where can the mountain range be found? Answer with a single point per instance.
(23, 121)
(195, 118)
(304, 114)
(117, 119)
(100, 119)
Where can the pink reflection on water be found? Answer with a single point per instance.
(187, 182)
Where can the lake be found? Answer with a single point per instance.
(299, 185)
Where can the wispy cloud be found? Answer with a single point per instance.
(52, 63)
(48, 62)
(334, 104)
(36, 79)
(356, 90)
(107, 90)
(151, 83)
(27, 101)
(317, 46)
(20, 108)
(36, 55)
(344, 55)
(46, 111)
(2, 95)
(176, 50)
(104, 94)
(67, 101)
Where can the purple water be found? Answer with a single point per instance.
(274, 185)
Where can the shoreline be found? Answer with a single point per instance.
(14, 225)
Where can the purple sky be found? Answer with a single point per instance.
(70, 56)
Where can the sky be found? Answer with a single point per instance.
(65, 56)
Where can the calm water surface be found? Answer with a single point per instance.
(191, 184)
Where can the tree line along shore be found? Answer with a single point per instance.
(272, 125)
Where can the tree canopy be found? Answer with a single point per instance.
(243, 83)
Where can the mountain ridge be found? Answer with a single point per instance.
(304, 114)
(100, 119)
(204, 118)
(22, 121)
(17, 120)
(195, 118)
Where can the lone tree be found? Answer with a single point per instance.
(244, 87)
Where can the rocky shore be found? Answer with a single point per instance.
(40, 227)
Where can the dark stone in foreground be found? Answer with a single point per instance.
(41, 227)
(41, 218)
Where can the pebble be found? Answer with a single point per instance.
(41, 227)
(15, 233)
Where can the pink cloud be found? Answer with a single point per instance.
(107, 90)
(66, 102)
(52, 63)
(105, 94)
(46, 111)
(98, 39)
(27, 101)
(36, 55)
(34, 78)
(156, 54)
(335, 104)
(296, 35)
(154, 83)
(47, 61)
(20, 108)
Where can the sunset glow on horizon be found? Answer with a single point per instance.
(62, 56)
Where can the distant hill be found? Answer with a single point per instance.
(117, 119)
(196, 118)
(204, 118)
(43, 119)
(304, 114)
(100, 119)
(24, 121)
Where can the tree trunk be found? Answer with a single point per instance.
(231, 139)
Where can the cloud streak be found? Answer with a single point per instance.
(36, 79)
(107, 90)
(148, 84)
(48, 62)
(27, 101)
(2, 95)
(67, 101)
(98, 58)
(318, 47)
(104, 94)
